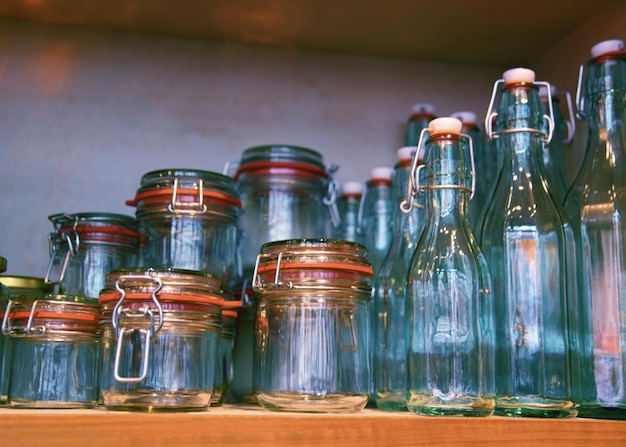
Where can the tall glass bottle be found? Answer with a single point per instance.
(486, 164)
(596, 206)
(563, 134)
(389, 295)
(524, 241)
(421, 115)
(377, 215)
(451, 356)
(348, 204)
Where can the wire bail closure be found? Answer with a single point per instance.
(142, 313)
(72, 239)
(278, 283)
(187, 207)
(29, 330)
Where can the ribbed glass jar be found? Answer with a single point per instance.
(188, 220)
(312, 325)
(85, 246)
(160, 333)
(55, 351)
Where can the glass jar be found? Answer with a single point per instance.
(224, 363)
(188, 220)
(312, 325)
(160, 331)
(85, 246)
(56, 351)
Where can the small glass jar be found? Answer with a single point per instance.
(312, 325)
(85, 246)
(56, 351)
(160, 330)
(224, 363)
(188, 220)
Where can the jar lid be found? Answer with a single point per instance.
(96, 227)
(518, 76)
(445, 126)
(53, 308)
(282, 159)
(170, 284)
(186, 190)
(607, 47)
(313, 263)
(26, 282)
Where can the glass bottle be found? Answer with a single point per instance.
(563, 134)
(389, 296)
(377, 214)
(421, 115)
(451, 329)
(524, 242)
(348, 205)
(486, 164)
(596, 204)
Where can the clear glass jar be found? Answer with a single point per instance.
(85, 246)
(160, 335)
(188, 220)
(56, 351)
(312, 325)
(224, 363)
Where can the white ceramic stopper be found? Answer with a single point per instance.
(543, 91)
(445, 125)
(352, 188)
(607, 46)
(518, 75)
(382, 173)
(406, 152)
(465, 117)
(424, 107)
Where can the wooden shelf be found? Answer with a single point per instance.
(254, 426)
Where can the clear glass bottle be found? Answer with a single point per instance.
(378, 215)
(421, 115)
(285, 191)
(312, 325)
(452, 339)
(348, 205)
(160, 335)
(595, 205)
(188, 220)
(554, 164)
(56, 351)
(487, 171)
(524, 242)
(85, 246)
(389, 295)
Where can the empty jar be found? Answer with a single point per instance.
(56, 351)
(188, 220)
(160, 330)
(85, 246)
(312, 325)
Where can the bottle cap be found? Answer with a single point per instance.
(543, 91)
(406, 152)
(424, 107)
(382, 173)
(446, 125)
(352, 188)
(518, 75)
(465, 117)
(607, 46)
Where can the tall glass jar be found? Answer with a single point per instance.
(283, 190)
(160, 335)
(85, 246)
(450, 305)
(188, 220)
(312, 325)
(389, 335)
(525, 241)
(596, 206)
(56, 351)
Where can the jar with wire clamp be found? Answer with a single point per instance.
(55, 351)
(188, 219)
(85, 246)
(160, 329)
(312, 325)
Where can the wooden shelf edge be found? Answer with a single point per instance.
(254, 426)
